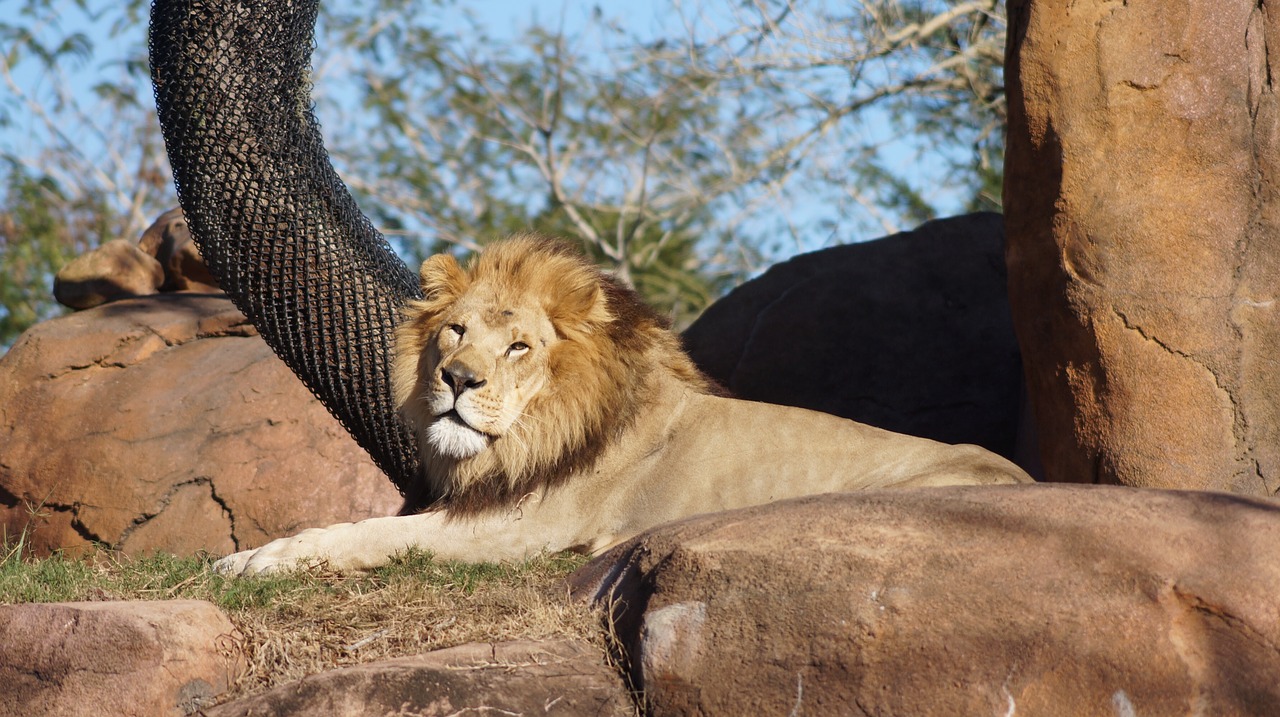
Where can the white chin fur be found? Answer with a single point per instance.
(455, 439)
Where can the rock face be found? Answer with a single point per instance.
(149, 659)
(116, 270)
(1141, 209)
(163, 259)
(910, 333)
(1039, 599)
(515, 678)
(169, 240)
(165, 423)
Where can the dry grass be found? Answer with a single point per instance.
(308, 621)
(420, 606)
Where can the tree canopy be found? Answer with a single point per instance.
(684, 152)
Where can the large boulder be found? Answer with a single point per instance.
(116, 270)
(1038, 599)
(1142, 202)
(512, 678)
(139, 659)
(910, 333)
(165, 423)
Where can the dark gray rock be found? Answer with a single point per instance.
(910, 333)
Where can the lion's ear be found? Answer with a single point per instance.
(581, 302)
(442, 278)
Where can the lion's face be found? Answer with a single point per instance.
(507, 369)
(485, 362)
(523, 368)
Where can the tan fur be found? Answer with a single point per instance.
(569, 418)
(602, 346)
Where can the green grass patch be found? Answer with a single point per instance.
(105, 576)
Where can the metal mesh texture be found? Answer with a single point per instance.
(275, 224)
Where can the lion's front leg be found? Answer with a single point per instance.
(345, 546)
(513, 535)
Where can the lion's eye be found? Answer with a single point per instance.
(458, 329)
(517, 348)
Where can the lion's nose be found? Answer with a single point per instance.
(460, 378)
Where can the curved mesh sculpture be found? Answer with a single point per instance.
(276, 226)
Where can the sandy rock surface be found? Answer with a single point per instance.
(1142, 204)
(116, 270)
(165, 423)
(1039, 599)
(512, 678)
(133, 659)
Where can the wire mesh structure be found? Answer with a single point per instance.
(277, 227)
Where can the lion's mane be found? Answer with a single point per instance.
(601, 371)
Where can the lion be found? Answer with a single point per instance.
(556, 411)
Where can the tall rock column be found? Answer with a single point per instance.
(1141, 215)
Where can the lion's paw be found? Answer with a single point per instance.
(233, 564)
(305, 549)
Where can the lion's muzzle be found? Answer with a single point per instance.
(460, 377)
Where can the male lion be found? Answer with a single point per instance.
(556, 411)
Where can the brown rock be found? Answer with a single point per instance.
(167, 424)
(115, 658)
(1037, 599)
(910, 333)
(511, 678)
(1141, 208)
(116, 270)
(169, 241)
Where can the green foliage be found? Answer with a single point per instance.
(82, 162)
(40, 230)
(683, 155)
(474, 146)
(60, 578)
(964, 113)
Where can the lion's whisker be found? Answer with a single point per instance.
(517, 428)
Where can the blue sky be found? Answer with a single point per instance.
(503, 19)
